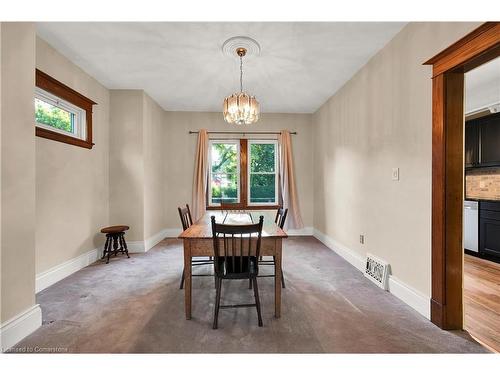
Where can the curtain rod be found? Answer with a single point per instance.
(231, 132)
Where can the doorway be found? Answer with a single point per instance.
(449, 68)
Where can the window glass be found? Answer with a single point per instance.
(50, 115)
(57, 115)
(224, 168)
(262, 170)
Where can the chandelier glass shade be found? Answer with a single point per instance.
(241, 108)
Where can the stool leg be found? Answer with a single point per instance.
(108, 251)
(105, 247)
(125, 244)
(115, 244)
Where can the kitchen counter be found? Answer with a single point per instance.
(481, 200)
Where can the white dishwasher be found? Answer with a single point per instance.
(471, 225)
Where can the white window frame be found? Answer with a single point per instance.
(80, 123)
(249, 173)
(238, 174)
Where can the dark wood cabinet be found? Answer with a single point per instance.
(489, 229)
(490, 140)
(482, 142)
(471, 143)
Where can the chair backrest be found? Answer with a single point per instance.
(185, 215)
(281, 217)
(233, 243)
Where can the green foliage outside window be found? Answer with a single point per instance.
(52, 116)
(262, 186)
(224, 168)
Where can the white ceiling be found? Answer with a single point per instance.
(482, 86)
(181, 65)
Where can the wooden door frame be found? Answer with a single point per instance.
(448, 69)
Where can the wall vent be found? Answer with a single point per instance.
(377, 270)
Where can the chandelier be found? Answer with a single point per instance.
(241, 108)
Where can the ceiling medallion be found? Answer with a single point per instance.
(241, 108)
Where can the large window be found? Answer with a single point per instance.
(61, 113)
(243, 172)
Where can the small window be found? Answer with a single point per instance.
(61, 113)
(224, 172)
(263, 186)
(58, 115)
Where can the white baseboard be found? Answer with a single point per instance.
(59, 272)
(351, 256)
(410, 296)
(172, 232)
(20, 326)
(149, 243)
(306, 231)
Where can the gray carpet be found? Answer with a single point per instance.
(135, 306)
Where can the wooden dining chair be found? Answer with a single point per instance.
(234, 259)
(187, 221)
(280, 221)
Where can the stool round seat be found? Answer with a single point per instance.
(115, 229)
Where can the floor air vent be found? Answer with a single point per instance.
(377, 271)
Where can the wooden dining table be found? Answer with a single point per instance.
(198, 242)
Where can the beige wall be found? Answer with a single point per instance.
(381, 119)
(136, 157)
(154, 159)
(180, 149)
(71, 182)
(126, 193)
(17, 169)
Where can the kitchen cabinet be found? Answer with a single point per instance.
(482, 142)
(489, 229)
(490, 140)
(471, 143)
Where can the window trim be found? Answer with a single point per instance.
(238, 170)
(249, 174)
(59, 90)
(243, 178)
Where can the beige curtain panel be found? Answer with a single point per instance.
(200, 178)
(288, 188)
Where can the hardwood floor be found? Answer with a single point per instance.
(482, 301)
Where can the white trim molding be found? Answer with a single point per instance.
(20, 326)
(407, 294)
(149, 243)
(53, 275)
(306, 231)
(351, 256)
(410, 296)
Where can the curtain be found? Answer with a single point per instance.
(289, 197)
(200, 178)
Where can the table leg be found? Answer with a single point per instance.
(187, 278)
(277, 279)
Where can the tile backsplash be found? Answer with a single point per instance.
(482, 183)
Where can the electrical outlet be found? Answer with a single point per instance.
(361, 238)
(395, 174)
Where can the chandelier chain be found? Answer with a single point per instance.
(241, 74)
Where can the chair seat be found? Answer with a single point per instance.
(115, 229)
(237, 267)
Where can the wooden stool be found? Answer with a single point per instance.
(115, 236)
